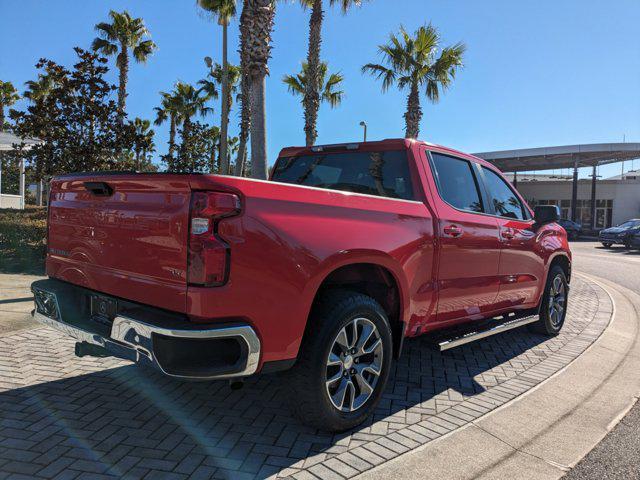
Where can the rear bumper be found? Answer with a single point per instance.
(184, 351)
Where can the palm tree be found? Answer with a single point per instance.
(224, 10)
(328, 90)
(256, 25)
(213, 135)
(209, 86)
(245, 88)
(38, 89)
(189, 102)
(414, 62)
(168, 110)
(144, 143)
(8, 96)
(124, 33)
(313, 89)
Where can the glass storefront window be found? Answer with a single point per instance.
(604, 210)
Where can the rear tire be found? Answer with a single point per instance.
(344, 362)
(553, 308)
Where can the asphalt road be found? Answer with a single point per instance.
(618, 455)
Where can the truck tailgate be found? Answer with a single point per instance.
(122, 234)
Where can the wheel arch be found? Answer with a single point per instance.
(378, 278)
(564, 262)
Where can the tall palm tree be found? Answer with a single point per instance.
(8, 96)
(417, 61)
(256, 25)
(209, 86)
(329, 92)
(313, 88)
(245, 88)
(123, 34)
(224, 10)
(168, 110)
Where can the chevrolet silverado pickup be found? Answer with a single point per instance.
(323, 270)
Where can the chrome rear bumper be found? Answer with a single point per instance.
(138, 341)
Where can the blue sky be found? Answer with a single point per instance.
(538, 73)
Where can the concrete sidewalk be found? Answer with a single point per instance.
(16, 302)
(544, 433)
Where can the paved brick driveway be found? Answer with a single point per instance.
(64, 417)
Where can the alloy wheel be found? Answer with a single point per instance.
(557, 301)
(354, 365)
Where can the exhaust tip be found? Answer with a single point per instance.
(236, 384)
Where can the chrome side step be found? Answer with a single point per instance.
(473, 336)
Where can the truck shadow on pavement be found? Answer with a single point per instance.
(129, 422)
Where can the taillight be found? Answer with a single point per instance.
(209, 254)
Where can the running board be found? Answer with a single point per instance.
(473, 336)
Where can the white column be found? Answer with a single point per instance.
(22, 183)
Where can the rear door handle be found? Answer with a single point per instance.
(453, 230)
(508, 234)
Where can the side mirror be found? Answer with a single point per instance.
(544, 214)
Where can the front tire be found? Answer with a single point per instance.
(606, 244)
(553, 308)
(344, 362)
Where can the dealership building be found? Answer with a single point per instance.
(595, 202)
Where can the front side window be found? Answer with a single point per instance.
(384, 174)
(456, 182)
(505, 202)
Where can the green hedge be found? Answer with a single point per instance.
(23, 240)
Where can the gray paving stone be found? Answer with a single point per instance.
(65, 417)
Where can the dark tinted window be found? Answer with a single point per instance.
(630, 224)
(375, 173)
(456, 182)
(505, 201)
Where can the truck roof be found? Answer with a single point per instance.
(386, 144)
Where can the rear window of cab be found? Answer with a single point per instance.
(384, 173)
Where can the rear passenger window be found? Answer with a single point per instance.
(505, 202)
(456, 182)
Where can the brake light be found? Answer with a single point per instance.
(209, 254)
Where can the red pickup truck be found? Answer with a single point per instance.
(324, 270)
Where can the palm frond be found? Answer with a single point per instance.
(161, 115)
(331, 96)
(294, 84)
(106, 31)
(143, 50)
(104, 46)
(345, 5)
(387, 75)
(209, 88)
(223, 10)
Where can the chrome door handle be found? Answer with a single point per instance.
(507, 234)
(452, 230)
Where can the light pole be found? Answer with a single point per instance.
(363, 124)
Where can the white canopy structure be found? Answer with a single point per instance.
(568, 156)
(7, 143)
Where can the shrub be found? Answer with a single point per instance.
(23, 240)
